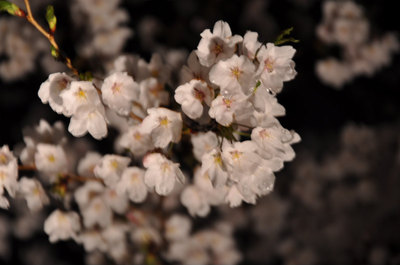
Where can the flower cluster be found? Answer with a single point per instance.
(228, 113)
(345, 24)
(231, 81)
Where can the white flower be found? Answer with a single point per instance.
(234, 197)
(233, 74)
(8, 174)
(50, 159)
(89, 119)
(233, 107)
(152, 93)
(177, 227)
(163, 125)
(110, 42)
(42, 133)
(118, 202)
(80, 94)
(192, 95)
(333, 72)
(92, 240)
(49, 91)
(87, 164)
(84, 194)
(161, 173)
(34, 193)
(240, 159)
(118, 92)
(275, 141)
(136, 141)
(97, 212)
(203, 143)
(251, 44)
(110, 168)
(193, 70)
(266, 103)
(132, 184)
(218, 45)
(195, 200)
(62, 225)
(276, 66)
(214, 167)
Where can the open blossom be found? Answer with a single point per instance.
(50, 159)
(193, 69)
(118, 92)
(214, 167)
(97, 212)
(233, 74)
(251, 44)
(62, 225)
(8, 174)
(163, 125)
(136, 141)
(177, 227)
(203, 143)
(192, 95)
(50, 91)
(152, 93)
(240, 159)
(34, 193)
(195, 200)
(218, 45)
(276, 66)
(87, 164)
(275, 141)
(80, 94)
(42, 133)
(132, 184)
(110, 168)
(161, 173)
(89, 119)
(233, 107)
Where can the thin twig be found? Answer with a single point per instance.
(48, 35)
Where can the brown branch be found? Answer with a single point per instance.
(48, 35)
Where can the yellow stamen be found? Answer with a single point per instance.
(114, 164)
(81, 94)
(236, 72)
(3, 159)
(164, 121)
(269, 65)
(51, 158)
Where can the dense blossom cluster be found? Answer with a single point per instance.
(344, 24)
(229, 115)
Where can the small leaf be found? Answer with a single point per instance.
(12, 9)
(51, 18)
(256, 86)
(86, 76)
(281, 38)
(55, 53)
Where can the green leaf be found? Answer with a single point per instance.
(55, 53)
(281, 38)
(86, 76)
(12, 9)
(51, 18)
(256, 86)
